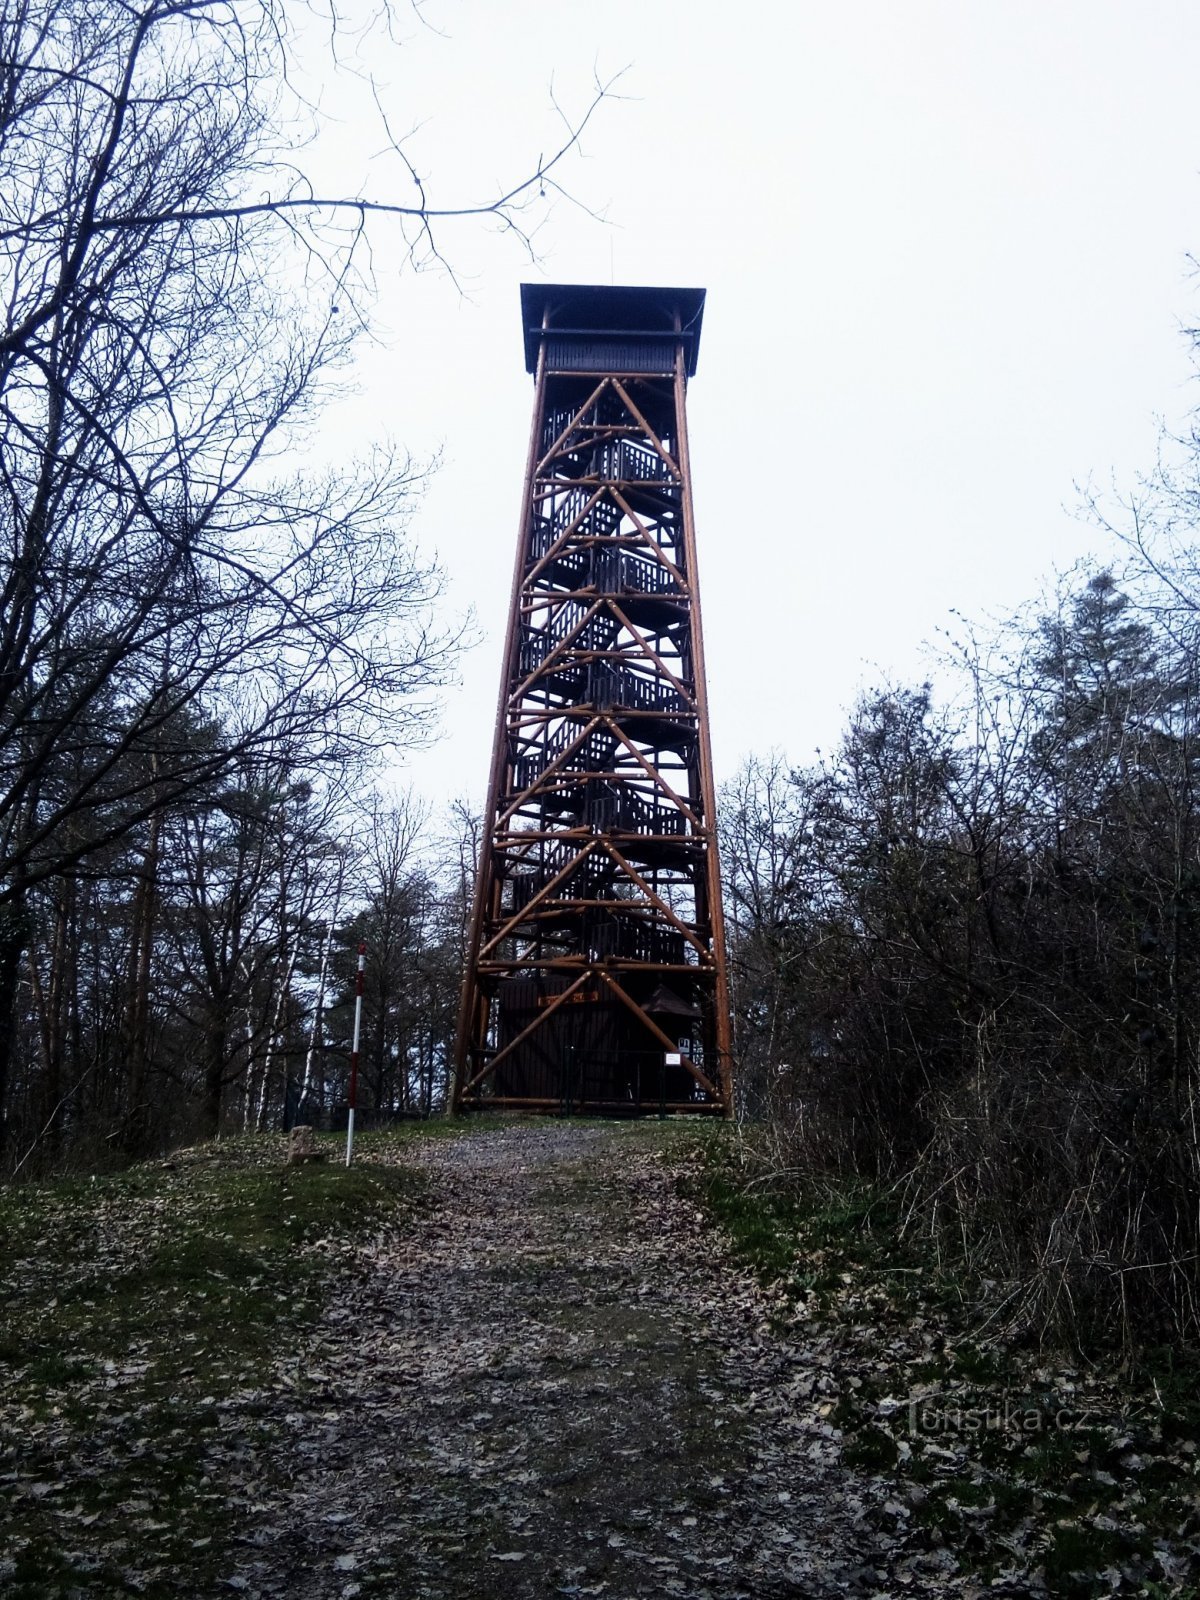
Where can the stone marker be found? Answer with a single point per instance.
(302, 1146)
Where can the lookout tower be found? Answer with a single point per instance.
(596, 961)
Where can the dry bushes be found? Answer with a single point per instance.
(966, 961)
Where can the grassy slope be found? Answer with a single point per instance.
(966, 1434)
(132, 1310)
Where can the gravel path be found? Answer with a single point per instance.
(556, 1383)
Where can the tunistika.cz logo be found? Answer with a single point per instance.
(932, 1415)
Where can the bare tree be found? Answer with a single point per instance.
(177, 596)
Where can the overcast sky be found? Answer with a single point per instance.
(946, 253)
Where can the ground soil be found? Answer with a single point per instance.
(557, 1382)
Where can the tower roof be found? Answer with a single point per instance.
(610, 311)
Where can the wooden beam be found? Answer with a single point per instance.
(671, 1045)
(687, 694)
(655, 899)
(649, 539)
(671, 463)
(660, 781)
(539, 896)
(563, 644)
(559, 999)
(558, 759)
(570, 427)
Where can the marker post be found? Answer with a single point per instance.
(353, 1096)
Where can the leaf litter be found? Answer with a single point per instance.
(547, 1374)
(558, 1382)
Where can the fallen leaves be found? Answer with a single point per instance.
(559, 1373)
(555, 1380)
(129, 1396)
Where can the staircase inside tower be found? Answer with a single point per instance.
(593, 966)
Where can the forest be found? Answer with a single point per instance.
(965, 950)
(214, 635)
(965, 945)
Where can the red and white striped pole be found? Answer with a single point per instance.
(358, 994)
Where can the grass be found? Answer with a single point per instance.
(135, 1310)
(808, 1240)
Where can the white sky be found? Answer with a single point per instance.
(945, 247)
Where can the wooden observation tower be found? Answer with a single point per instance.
(596, 962)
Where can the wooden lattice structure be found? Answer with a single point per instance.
(596, 965)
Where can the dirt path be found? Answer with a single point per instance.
(557, 1384)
